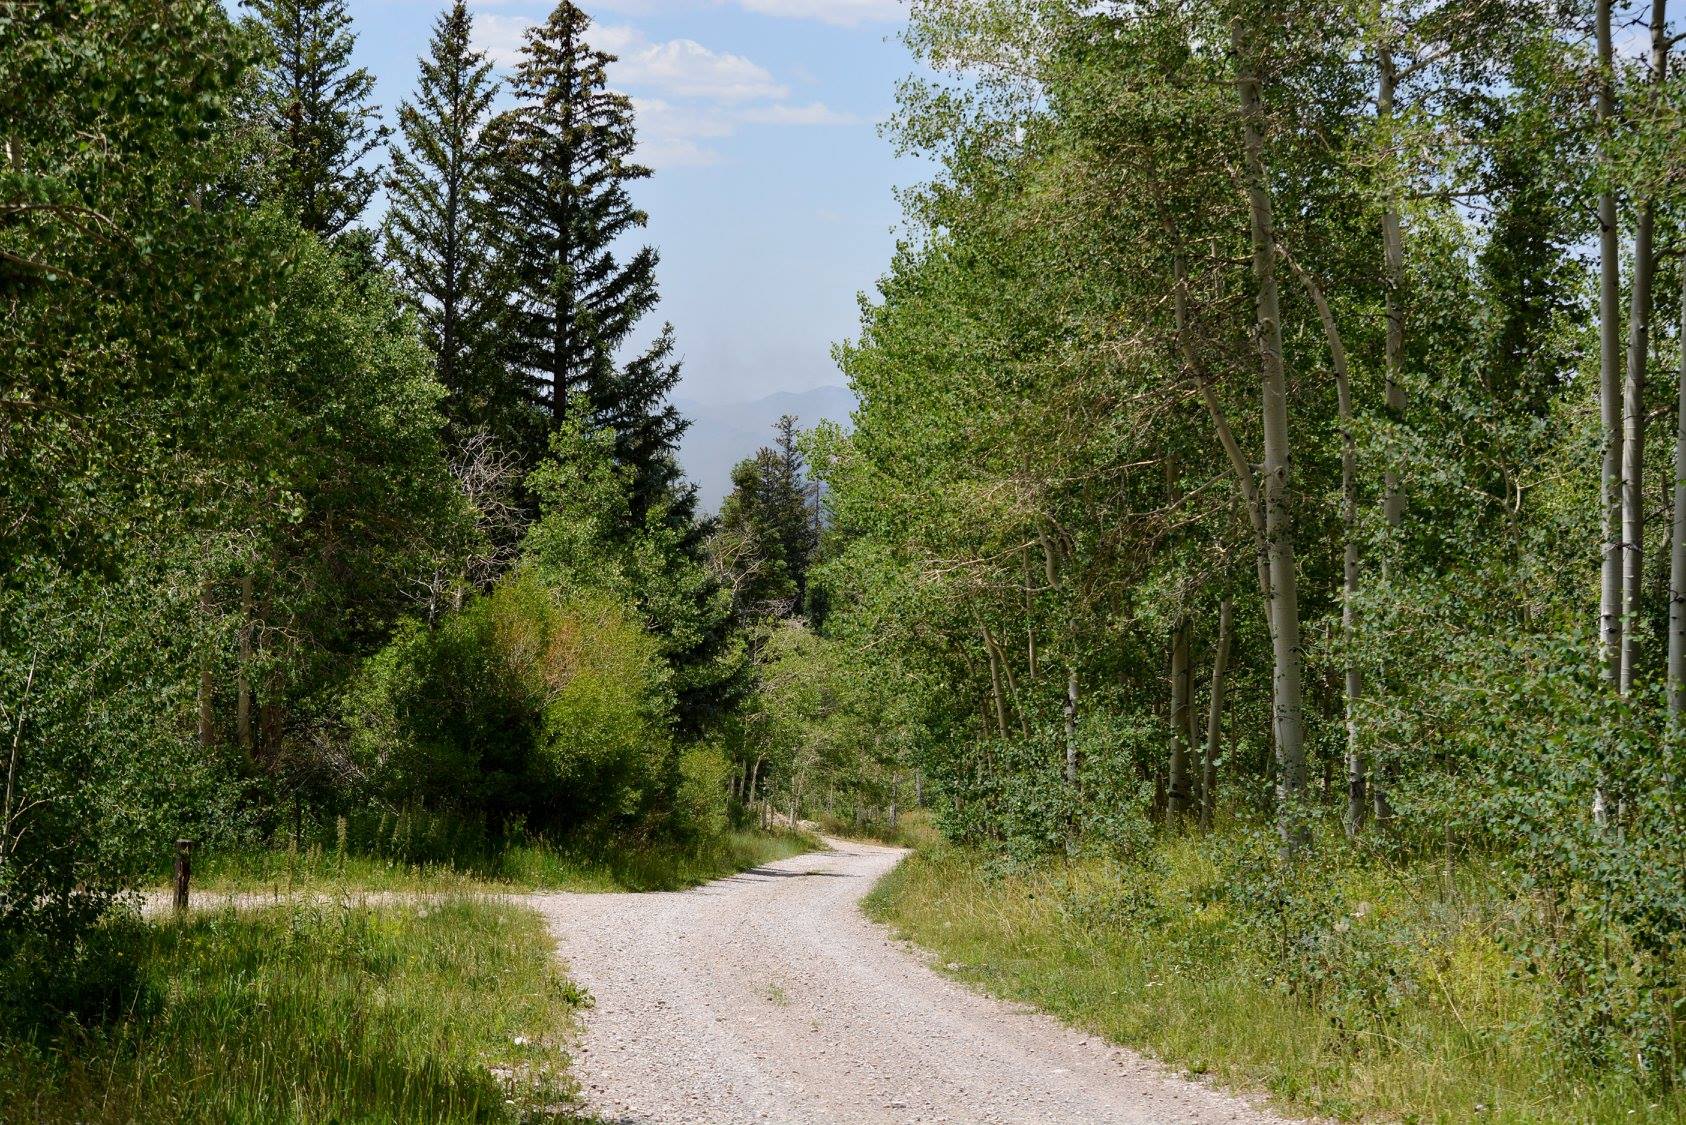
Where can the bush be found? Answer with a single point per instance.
(526, 704)
(699, 804)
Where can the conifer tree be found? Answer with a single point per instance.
(564, 165)
(436, 231)
(318, 108)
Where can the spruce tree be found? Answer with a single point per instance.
(436, 230)
(318, 108)
(564, 166)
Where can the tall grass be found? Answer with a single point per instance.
(450, 1012)
(1150, 957)
(418, 851)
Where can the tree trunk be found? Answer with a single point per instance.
(243, 686)
(1609, 374)
(919, 775)
(1214, 718)
(1393, 251)
(1356, 779)
(1177, 782)
(1677, 549)
(995, 683)
(1071, 724)
(1633, 417)
(1284, 610)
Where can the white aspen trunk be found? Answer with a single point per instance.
(1029, 617)
(1609, 376)
(1214, 718)
(919, 774)
(1286, 676)
(1633, 415)
(1071, 725)
(1393, 250)
(995, 687)
(1177, 784)
(1677, 547)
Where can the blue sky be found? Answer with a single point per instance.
(772, 203)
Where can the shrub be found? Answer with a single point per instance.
(526, 704)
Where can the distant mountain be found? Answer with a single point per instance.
(722, 434)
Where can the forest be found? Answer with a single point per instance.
(1253, 582)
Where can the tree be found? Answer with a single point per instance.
(562, 201)
(317, 105)
(437, 232)
(768, 534)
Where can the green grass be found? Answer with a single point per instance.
(913, 829)
(452, 1012)
(576, 866)
(1464, 1038)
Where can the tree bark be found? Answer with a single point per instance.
(1071, 725)
(1633, 416)
(1609, 374)
(1214, 718)
(1286, 674)
(1677, 548)
(1393, 251)
(243, 686)
(1177, 783)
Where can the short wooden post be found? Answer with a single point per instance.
(184, 872)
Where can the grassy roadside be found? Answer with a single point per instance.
(1457, 1036)
(913, 829)
(576, 866)
(453, 1011)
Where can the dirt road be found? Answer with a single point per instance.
(769, 997)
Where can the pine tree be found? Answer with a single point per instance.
(797, 534)
(318, 108)
(437, 231)
(564, 165)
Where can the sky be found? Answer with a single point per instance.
(772, 202)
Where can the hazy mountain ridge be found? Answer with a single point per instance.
(722, 434)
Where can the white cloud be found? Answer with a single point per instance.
(685, 68)
(500, 36)
(685, 94)
(841, 13)
(814, 113)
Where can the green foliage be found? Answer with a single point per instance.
(525, 704)
(316, 106)
(438, 236)
(451, 1011)
(591, 533)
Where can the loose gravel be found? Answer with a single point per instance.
(769, 997)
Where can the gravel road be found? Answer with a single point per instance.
(769, 997)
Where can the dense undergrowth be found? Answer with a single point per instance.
(451, 1011)
(1388, 991)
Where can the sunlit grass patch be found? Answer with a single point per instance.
(450, 1011)
(1153, 959)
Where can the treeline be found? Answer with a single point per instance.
(1275, 421)
(310, 514)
